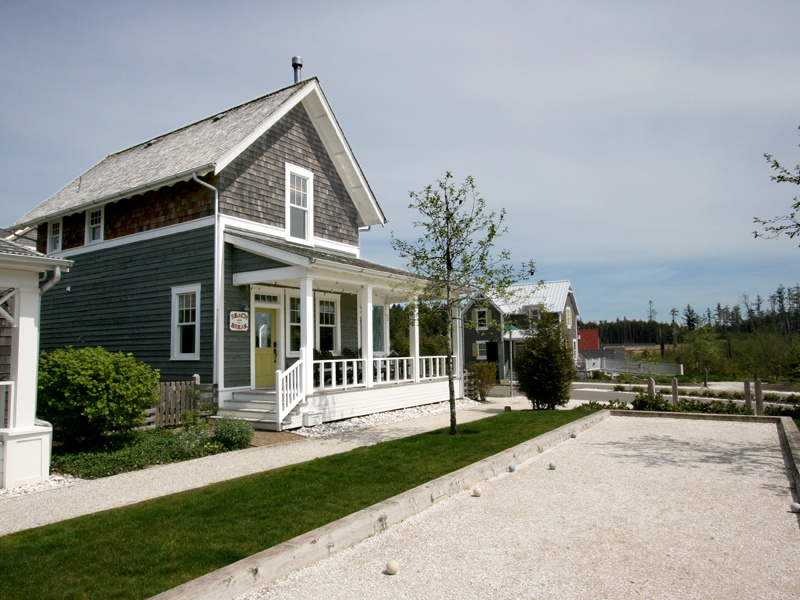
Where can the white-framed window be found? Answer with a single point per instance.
(568, 316)
(480, 350)
(299, 203)
(186, 322)
(54, 236)
(94, 225)
(328, 323)
(534, 314)
(293, 318)
(482, 318)
(378, 329)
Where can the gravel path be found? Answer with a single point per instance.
(636, 508)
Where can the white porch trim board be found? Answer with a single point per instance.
(307, 327)
(346, 404)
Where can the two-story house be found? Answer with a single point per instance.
(229, 248)
(494, 329)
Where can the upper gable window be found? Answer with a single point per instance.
(299, 203)
(94, 226)
(568, 317)
(54, 236)
(482, 318)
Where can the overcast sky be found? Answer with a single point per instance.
(625, 139)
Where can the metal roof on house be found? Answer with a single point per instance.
(202, 147)
(551, 295)
(19, 254)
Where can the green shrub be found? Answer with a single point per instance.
(619, 388)
(232, 433)
(614, 404)
(138, 450)
(485, 377)
(87, 393)
(644, 401)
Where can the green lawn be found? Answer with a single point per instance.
(141, 550)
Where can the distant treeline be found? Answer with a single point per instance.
(778, 313)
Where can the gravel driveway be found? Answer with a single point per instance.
(635, 508)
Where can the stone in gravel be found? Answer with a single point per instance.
(795, 507)
(392, 567)
(512, 468)
(477, 491)
(552, 466)
(573, 435)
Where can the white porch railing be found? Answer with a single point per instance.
(6, 404)
(432, 367)
(339, 373)
(346, 373)
(393, 369)
(289, 389)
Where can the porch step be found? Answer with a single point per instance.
(259, 421)
(259, 408)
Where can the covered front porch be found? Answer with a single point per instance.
(319, 343)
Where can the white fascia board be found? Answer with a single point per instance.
(266, 251)
(342, 156)
(338, 246)
(266, 275)
(355, 275)
(264, 127)
(32, 264)
(140, 237)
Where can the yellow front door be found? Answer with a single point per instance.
(266, 346)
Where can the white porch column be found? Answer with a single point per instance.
(25, 356)
(365, 302)
(307, 330)
(458, 352)
(413, 339)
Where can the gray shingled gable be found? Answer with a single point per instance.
(169, 157)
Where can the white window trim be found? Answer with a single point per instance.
(89, 212)
(337, 328)
(294, 169)
(481, 344)
(288, 324)
(568, 316)
(50, 246)
(478, 312)
(175, 337)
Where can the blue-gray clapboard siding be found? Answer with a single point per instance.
(120, 298)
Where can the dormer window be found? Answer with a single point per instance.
(299, 203)
(54, 236)
(94, 226)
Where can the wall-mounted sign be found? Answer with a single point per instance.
(239, 320)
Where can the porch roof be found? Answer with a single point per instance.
(339, 270)
(15, 255)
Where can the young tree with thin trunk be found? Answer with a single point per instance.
(455, 254)
(545, 366)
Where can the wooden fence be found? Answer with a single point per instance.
(176, 397)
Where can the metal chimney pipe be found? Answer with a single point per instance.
(297, 65)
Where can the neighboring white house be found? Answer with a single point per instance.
(24, 440)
